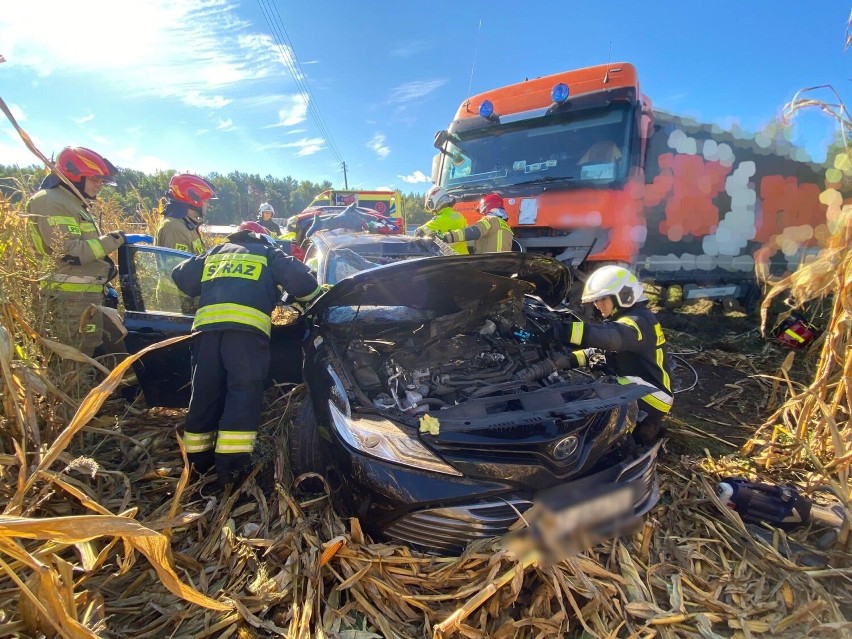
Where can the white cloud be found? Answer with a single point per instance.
(378, 145)
(414, 90)
(414, 178)
(306, 146)
(84, 119)
(225, 125)
(194, 98)
(294, 112)
(192, 50)
(409, 49)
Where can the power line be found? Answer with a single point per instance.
(282, 40)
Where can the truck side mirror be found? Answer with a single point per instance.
(441, 138)
(436, 167)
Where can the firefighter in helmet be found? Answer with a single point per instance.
(632, 341)
(264, 218)
(492, 233)
(186, 205)
(444, 217)
(63, 228)
(239, 283)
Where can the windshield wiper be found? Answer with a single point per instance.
(545, 179)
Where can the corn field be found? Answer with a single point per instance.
(103, 535)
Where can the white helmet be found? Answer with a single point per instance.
(437, 198)
(266, 207)
(617, 281)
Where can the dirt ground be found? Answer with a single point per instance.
(724, 375)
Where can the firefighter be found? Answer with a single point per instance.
(62, 227)
(187, 200)
(239, 282)
(632, 340)
(491, 234)
(444, 217)
(264, 218)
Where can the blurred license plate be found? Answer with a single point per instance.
(612, 506)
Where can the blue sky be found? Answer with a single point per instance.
(203, 86)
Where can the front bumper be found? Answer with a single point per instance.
(449, 529)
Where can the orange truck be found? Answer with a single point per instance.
(387, 203)
(590, 173)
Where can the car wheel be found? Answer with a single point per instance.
(306, 442)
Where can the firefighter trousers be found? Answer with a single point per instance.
(228, 372)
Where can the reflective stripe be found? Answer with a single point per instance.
(576, 332)
(71, 287)
(35, 236)
(236, 313)
(309, 297)
(181, 247)
(666, 381)
(97, 248)
(243, 265)
(658, 331)
(632, 324)
(88, 227)
(235, 441)
(56, 220)
(91, 328)
(197, 247)
(504, 227)
(660, 400)
(199, 442)
(581, 357)
(794, 335)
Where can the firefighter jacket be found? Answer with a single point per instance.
(239, 281)
(491, 234)
(635, 349)
(179, 233)
(447, 219)
(270, 226)
(60, 225)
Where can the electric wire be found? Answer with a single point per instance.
(694, 373)
(288, 54)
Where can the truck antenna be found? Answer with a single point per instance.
(608, 60)
(473, 66)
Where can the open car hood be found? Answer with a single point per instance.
(449, 283)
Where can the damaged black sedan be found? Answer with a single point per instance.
(439, 408)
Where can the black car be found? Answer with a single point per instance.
(438, 407)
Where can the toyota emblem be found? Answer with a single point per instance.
(564, 448)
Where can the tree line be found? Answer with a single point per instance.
(239, 194)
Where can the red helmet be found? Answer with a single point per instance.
(191, 189)
(488, 202)
(254, 227)
(77, 162)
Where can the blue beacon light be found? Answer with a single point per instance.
(486, 109)
(560, 92)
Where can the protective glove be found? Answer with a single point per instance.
(325, 288)
(138, 238)
(421, 232)
(444, 237)
(372, 226)
(568, 332)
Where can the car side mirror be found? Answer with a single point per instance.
(441, 138)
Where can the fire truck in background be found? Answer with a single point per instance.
(591, 174)
(387, 203)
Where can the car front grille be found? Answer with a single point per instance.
(450, 529)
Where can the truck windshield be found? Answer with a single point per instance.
(591, 146)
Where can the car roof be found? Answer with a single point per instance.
(344, 238)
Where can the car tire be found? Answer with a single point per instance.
(305, 441)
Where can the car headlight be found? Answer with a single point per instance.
(385, 440)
